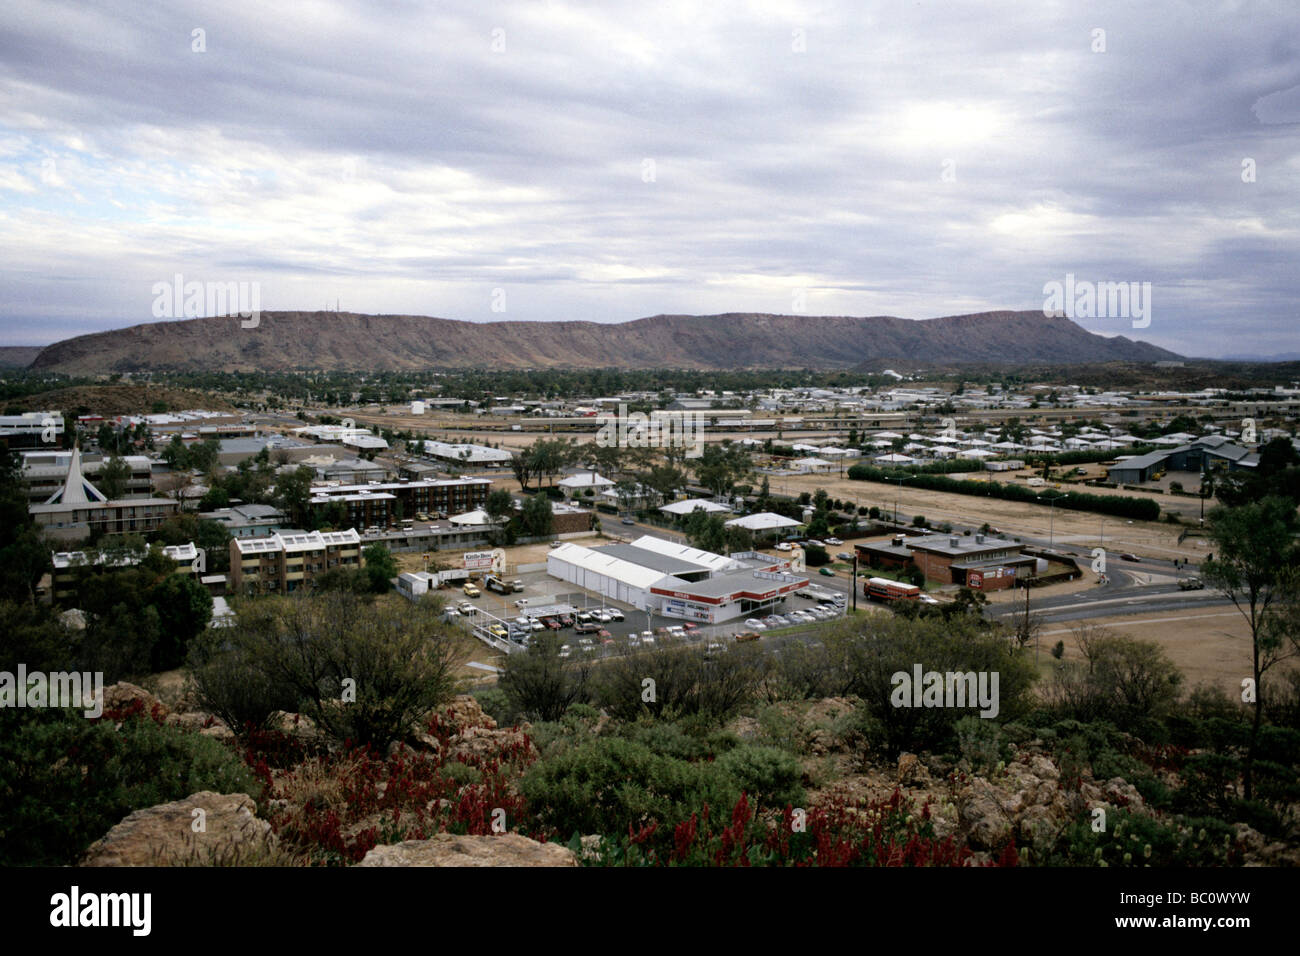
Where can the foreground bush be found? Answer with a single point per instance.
(67, 779)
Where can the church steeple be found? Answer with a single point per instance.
(76, 489)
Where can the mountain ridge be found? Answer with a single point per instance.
(284, 341)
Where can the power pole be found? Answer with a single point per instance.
(853, 585)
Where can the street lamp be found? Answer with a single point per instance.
(1051, 533)
(899, 493)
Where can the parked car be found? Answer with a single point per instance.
(471, 591)
(690, 626)
(783, 546)
(647, 638)
(565, 650)
(556, 544)
(496, 630)
(603, 616)
(926, 599)
(835, 541)
(748, 636)
(566, 620)
(633, 640)
(550, 623)
(844, 556)
(466, 608)
(677, 631)
(535, 624)
(614, 613)
(586, 627)
(755, 624)
(584, 617)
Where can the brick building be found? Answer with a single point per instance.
(977, 561)
(378, 503)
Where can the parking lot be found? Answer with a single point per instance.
(543, 592)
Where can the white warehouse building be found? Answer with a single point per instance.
(674, 580)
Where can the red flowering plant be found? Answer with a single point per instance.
(333, 808)
(836, 832)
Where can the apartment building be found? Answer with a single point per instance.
(377, 503)
(284, 563)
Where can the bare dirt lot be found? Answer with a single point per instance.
(1210, 645)
(1068, 528)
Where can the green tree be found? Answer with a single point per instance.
(113, 478)
(542, 685)
(293, 491)
(1254, 546)
(537, 516)
(176, 454)
(184, 611)
(500, 506)
(380, 566)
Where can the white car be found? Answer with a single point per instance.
(614, 613)
(926, 599)
(633, 640)
(835, 541)
(565, 650)
(754, 623)
(535, 624)
(783, 546)
(647, 638)
(677, 631)
(604, 616)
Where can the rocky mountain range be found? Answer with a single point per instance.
(284, 341)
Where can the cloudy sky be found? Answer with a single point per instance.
(609, 160)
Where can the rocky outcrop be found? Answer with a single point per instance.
(171, 834)
(124, 697)
(446, 849)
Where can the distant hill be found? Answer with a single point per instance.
(18, 356)
(122, 399)
(331, 340)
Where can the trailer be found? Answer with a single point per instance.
(883, 589)
(494, 583)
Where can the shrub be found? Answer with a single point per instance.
(607, 785)
(67, 779)
(362, 670)
(770, 776)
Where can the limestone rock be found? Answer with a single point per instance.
(122, 695)
(446, 849)
(164, 835)
(983, 815)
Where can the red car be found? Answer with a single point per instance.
(607, 637)
(690, 627)
(551, 623)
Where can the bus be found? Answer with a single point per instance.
(883, 589)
